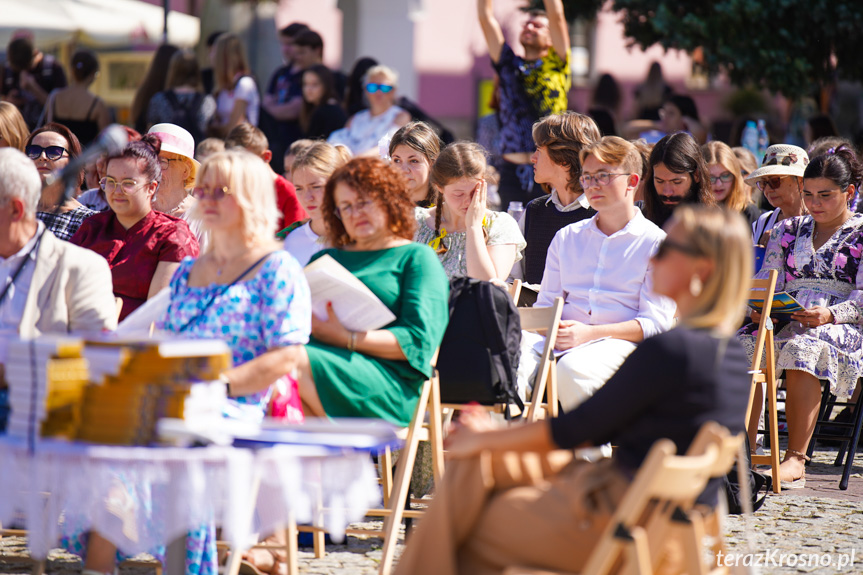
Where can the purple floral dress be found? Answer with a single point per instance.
(831, 277)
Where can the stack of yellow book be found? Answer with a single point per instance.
(137, 382)
(47, 378)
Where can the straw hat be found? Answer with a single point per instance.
(177, 140)
(780, 160)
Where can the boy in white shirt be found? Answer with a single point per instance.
(602, 269)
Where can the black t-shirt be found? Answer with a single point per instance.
(668, 387)
(48, 74)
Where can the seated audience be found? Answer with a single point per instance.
(237, 98)
(248, 137)
(29, 76)
(678, 113)
(321, 114)
(94, 197)
(729, 188)
(183, 102)
(470, 239)
(818, 257)
(365, 128)
(376, 373)
(677, 174)
(506, 500)
(414, 150)
(608, 307)
(780, 179)
(179, 169)
(143, 246)
(65, 106)
(13, 129)
(311, 170)
(51, 148)
(52, 286)
(559, 138)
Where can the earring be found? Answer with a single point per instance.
(695, 285)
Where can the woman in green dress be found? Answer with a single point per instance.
(375, 373)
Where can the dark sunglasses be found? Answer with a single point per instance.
(772, 182)
(51, 152)
(372, 87)
(667, 246)
(213, 193)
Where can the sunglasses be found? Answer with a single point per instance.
(667, 246)
(53, 153)
(372, 87)
(772, 182)
(216, 193)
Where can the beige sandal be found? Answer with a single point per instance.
(800, 482)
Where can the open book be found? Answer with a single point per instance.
(784, 305)
(355, 305)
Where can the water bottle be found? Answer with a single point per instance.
(750, 139)
(763, 140)
(516, 209)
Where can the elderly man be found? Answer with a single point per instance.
(46, 285)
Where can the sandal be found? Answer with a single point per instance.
(800, 482)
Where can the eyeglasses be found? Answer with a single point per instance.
(350, 210)
(770, 182)
(52, 153)
(601, 179)
(373, 87)
(724, 178)
(670, 245)
(166, 162)
(109, 184)
(216, 193)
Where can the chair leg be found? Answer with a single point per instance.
(385, 462)
(852, 446)
(774, 434)
(436, 430)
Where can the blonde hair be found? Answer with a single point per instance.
(722, 236)
(251, 184)
(720, 153)
(391, 75)
(457, 161)
(614, 151)
(13, 128)
(230, 61)
(321, 158)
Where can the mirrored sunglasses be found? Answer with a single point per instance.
(372, 87)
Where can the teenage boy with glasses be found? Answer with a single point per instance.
(602, 269)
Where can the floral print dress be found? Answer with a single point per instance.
(830, 276)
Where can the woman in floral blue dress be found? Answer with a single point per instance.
(819, 262)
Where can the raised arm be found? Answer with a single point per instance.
(557, 28)
(491, 28)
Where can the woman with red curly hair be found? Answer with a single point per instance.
(378, 373)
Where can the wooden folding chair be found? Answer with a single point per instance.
(514, 290)
(662, 493)
(763, 290)
(544, 320)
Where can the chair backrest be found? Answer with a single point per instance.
(763, 290)
(543, 320)
(664, 482)
(514, 290)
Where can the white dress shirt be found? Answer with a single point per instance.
(12, 306)
(606, 279)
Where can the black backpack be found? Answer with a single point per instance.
(480, 349)
(187, 116)
(757, 482)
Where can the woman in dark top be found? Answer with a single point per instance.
(66, 106)
(670, 385)
(321, 114)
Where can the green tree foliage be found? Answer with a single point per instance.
(787, 46)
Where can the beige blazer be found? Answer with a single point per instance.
(71, 291)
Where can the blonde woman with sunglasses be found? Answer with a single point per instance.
(365, 128)
(780, 179)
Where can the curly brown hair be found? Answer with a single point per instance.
(373, 179)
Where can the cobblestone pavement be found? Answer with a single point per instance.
(799, 531)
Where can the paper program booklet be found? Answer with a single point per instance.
(784, 304)
(357, 308)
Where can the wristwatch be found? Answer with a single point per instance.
(224, 378)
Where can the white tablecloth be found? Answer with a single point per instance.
(177, 489)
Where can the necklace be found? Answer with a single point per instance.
(832, 230)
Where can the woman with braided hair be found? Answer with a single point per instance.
(470, 239)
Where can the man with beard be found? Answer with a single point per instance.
(531, 87)
(676, 174)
